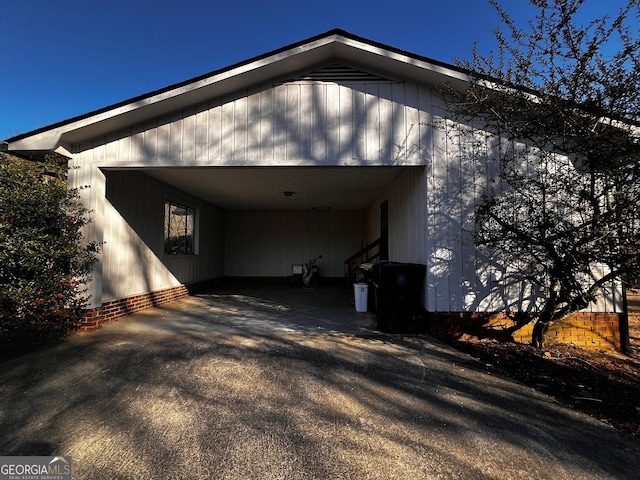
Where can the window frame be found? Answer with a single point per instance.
(170, 202)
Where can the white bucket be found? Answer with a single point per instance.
(361, 292)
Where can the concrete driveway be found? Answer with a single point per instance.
(245, 384)
(254, 310)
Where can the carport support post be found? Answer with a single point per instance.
(623, 322)
(90, 183)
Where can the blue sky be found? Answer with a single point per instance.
(68, 57)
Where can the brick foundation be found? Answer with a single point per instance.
(108, 311)
(96, 317)
(591, 330)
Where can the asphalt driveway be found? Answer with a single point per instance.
(202, 389)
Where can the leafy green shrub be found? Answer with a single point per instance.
(44, 262)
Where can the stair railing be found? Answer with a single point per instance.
(352, 263)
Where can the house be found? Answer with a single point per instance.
(320, 147)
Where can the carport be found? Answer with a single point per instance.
(265, 219)
(269, 218)
(276, 217)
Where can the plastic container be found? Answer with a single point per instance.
(361, 293)
(399, 288)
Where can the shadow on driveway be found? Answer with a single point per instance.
(260, 310)
(146, 399)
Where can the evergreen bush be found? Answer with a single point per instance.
(44, 262)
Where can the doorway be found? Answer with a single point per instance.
(384, 230)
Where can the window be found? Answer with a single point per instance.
(179, 226)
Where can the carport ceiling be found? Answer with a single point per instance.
(263, 188)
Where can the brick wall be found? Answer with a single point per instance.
(591, 330)
(597, 330)
(96, 317)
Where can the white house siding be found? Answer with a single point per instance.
(90, 184)
(295, 123)
(307, 123)
(289, 124)
(310, 124)
(132, 222)
(457, 278)
(406, 197)
(460, 278)
(268, 243)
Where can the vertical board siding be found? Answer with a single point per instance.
(279, 125)
(227, 134)
(345, 140)
(407, 206)
(385, 110)
(132, 258)
(201, 136)
(214, 133)
(254, 129)
(163, 149)
(439, 253)
(268, 243)
(333, 124)
(294, 144)
(241, 127)
(372, 128)
(305, 123)
(90, 184)
(294, 123)
(359, 118)
(189, 138)
(319, 122)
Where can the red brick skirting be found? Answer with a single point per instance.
(584, 329)
(96, 317)
(596, 330)
(108, 311)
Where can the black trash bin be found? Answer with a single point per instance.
(399, 288)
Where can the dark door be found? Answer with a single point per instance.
(384, 230)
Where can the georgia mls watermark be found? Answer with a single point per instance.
(35, 468)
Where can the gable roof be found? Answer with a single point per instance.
(317, 55)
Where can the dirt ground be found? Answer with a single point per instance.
(603, 384)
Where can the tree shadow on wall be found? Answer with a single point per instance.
(471, 291)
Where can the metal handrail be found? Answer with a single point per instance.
(362, 251)
(351, 264)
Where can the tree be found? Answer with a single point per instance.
(560, 100)
(43, 259)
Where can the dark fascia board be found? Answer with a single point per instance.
(141, 98)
